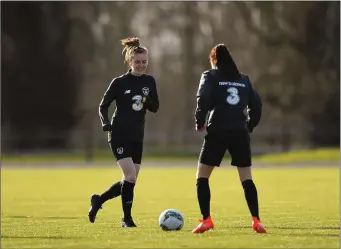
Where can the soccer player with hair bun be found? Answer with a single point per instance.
(134, 92)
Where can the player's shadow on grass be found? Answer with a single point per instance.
(295, 228)
(301, 228)
(43, 217)
(38, 237)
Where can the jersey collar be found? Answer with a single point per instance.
(130, 74)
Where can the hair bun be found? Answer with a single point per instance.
(131, 42)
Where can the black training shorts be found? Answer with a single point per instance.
(123, 148)
(237, 143)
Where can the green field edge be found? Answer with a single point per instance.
(328, 155)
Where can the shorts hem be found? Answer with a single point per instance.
(210, 164)
(241, 165)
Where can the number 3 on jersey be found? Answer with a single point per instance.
(233, 97)
(137, 105)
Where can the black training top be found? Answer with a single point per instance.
(129, 117)
(227, 103)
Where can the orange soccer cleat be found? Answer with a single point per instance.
(205, 225)
(257, 225)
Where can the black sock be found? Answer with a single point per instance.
(251, 197)
(204, 196)
(112, 192)
(127, 196)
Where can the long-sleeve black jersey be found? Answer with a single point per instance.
(133, 95)
(226, 102)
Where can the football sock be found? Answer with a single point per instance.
(127, 196)
(251, 197)
(112, 192)
(204, 196)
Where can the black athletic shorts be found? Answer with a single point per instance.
(236, 142)
(123, 148)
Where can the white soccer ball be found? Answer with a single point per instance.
(171, 220)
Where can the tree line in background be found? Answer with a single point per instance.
(59, 57)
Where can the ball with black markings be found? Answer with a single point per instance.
(171, 220)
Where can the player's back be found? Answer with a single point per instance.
(230, 100)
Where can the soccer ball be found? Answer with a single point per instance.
(171, 220)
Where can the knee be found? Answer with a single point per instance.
(130, 177)
(137, 170)
(244, 174)
(204, 171)
(201, 175)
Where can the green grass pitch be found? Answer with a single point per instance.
(47, 208)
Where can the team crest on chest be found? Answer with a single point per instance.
(120, 150)
(145, 91)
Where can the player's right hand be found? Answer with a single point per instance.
(107, 127)
(200, 128)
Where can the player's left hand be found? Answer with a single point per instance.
(250, 127)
